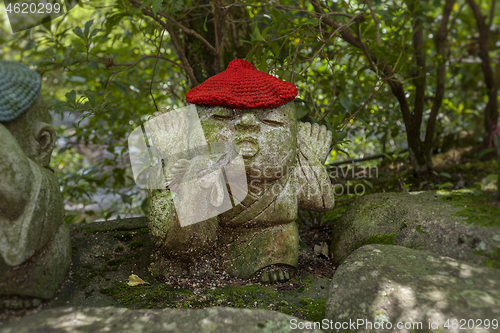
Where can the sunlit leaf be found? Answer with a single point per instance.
(134, 280)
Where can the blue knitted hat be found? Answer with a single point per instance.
(19, 89)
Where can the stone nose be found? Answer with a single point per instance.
(248, 122)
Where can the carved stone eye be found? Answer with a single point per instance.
(273, 118)
(223, 113)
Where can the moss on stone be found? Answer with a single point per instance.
(492, 258)
(476, 209)
(143, 231)
(123, 236)
(314, 310)
(92, 230)
(119, 248)
(387, 239)
(247, 296)
(135, 244)
(115, 262)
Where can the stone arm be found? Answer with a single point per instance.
(15, 177)
(168, 234)
(314, 189)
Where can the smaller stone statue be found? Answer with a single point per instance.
(35, 249)
(282, 162)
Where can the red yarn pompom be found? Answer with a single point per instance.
(241, 86)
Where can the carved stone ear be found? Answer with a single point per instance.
(45, 136)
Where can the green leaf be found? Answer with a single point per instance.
(263, 62)
(485, 152)
(157, 6)
(276, 49)
(346, 102)
(387, 156)
(79, 33)
(87, 28)
(146, 3)
(93, 33)
(93, 65)
(489, 179)
(447, 184)
(369, 183)
(301, 111)
(71, 96)
(205, 23)
(258, 36)
(445, 174)
(91, 97)
(112, 21)
(368, 127)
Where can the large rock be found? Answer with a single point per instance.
(112, 319)
(391, 284)
(423, 220)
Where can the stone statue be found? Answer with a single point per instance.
(283, 161)
(35, 247)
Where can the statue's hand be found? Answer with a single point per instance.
(319, 138)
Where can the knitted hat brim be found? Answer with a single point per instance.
(19, 89)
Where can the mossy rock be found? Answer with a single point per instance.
(463, 224)
(112, 319)
(386, 284)
(303, 297)
(102, 261)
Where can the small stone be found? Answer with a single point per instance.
(274, 277)
(281, 276)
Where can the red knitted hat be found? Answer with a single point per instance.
(241, 86)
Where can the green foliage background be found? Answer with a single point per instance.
(97, 66)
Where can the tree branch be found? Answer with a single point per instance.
(491, 111)
(420, 76)
(492, 13)
(173, 37)
(376, 20)
(340, 28)
(346, 34)
(440, 71)
(186, 30)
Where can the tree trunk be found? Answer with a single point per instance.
(492, 82)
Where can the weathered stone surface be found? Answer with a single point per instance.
(421, 220)
(386, 283)
(112, 319)
(257, 249)
(284, 172)
(41, 274)
(104, 253)
(34, 242)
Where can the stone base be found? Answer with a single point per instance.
(255, 249)
(41, 274)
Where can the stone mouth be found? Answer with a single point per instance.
(249, 146)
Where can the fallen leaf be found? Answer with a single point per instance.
(322, 249)
(134, 280)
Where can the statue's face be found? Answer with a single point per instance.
(34, 133)
(267, 137)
